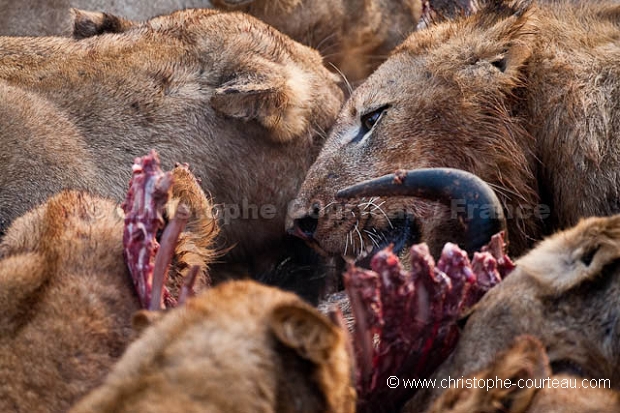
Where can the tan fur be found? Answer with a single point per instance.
(240, 347)
(558, 262)
(66, 303)
(564, 293)
(245, 106)
(355, 36)
(524, 96)
(526, 360)
(66, 297)
(195, 244)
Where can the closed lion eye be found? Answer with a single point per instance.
(588, 256)
(567, 367)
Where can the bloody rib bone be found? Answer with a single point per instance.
(187, 290)
(413, 314)
(164, 257)
(149, 191)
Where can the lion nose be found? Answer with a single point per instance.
(305, 222)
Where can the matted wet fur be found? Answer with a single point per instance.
(239, 347)
(524, 95)
(244, 105)
(564, 293)
(521, 381)
(66, 296)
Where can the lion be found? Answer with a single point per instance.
(246, 107)
(562, 293)
(66, 296)
(239, 347)
(356, 37)
(520, 380)
(523, 95)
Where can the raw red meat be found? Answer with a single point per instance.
(406, 320)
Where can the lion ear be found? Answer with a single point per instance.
(304, 330)
(89, 23)
(507, 8)
(143, 319)
(569, 258)
(275, 96)
(525, 361)
(509, 22)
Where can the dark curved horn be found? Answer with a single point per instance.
(471, 200)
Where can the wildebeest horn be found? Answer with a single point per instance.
(471, 200)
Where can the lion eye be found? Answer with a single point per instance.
(588, 256)
(369, 120)
(500, 64)
(500, 61)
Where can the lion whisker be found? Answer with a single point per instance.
(344, 78)
(372, 238)
(360, 237)
(325, 40)
(378, 207)
(327, 206)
